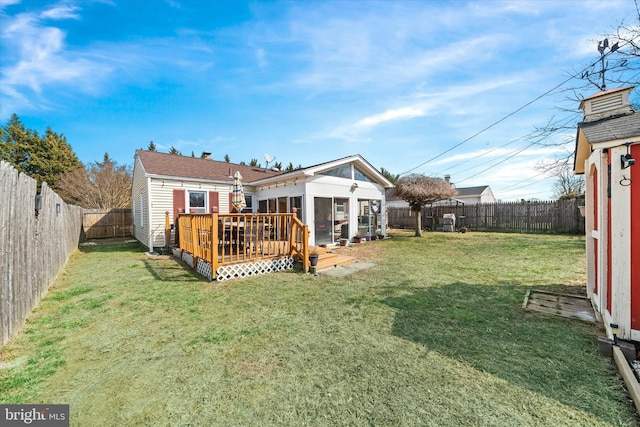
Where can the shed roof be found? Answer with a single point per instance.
(615, 130)
(191, 167)
(611, 129)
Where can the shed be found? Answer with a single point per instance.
(607, 152)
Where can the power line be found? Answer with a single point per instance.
(557, 126)
(507, 116)
(517, 184)
(500, 162)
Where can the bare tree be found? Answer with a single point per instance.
(566, 184)
(418, 190)
(100, 185)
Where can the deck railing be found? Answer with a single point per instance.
(225, 239)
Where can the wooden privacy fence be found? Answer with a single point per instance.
(555, 216)
(35, 245)
(220, 240)
(105, 223)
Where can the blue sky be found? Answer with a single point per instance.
(397, 82)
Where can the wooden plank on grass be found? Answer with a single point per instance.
(560, 305)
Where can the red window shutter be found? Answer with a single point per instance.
(213, 200)
(231, 208)
(179, 203)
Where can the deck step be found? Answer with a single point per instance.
(330, 260)
(318, 250)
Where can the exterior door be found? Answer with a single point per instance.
(323, 222)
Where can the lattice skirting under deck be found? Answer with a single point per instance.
(204, 268)
(234, 271)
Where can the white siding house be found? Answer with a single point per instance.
(337, 199)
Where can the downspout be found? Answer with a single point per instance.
(149, 216)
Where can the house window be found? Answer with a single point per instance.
(296, 202)
(340, 172)
(248, 199)
(197, 202)
(359, 176)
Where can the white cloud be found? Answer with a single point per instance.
(391, 115)
(61, 12)
(5, 3)
(40, 59)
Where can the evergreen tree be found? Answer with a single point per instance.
(152, 146)
(391, 177)
(15, 141)
(227, 159)
(42, 158)
(174, 150)
(50, 157)
(289, 167)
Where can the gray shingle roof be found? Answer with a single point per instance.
(611, 129)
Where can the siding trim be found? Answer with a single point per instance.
(149, 218)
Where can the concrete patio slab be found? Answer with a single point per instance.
(345, 270)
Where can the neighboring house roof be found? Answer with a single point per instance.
(471, 191)
(462, 192)
(172, 165)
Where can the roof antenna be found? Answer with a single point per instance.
(268, 159)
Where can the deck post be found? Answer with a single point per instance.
(180, 221)
(167, 230)
(215, 242)
(195, 247)
(305, 248)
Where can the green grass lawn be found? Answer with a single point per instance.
(434, 334)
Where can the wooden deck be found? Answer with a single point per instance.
(252, 242)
